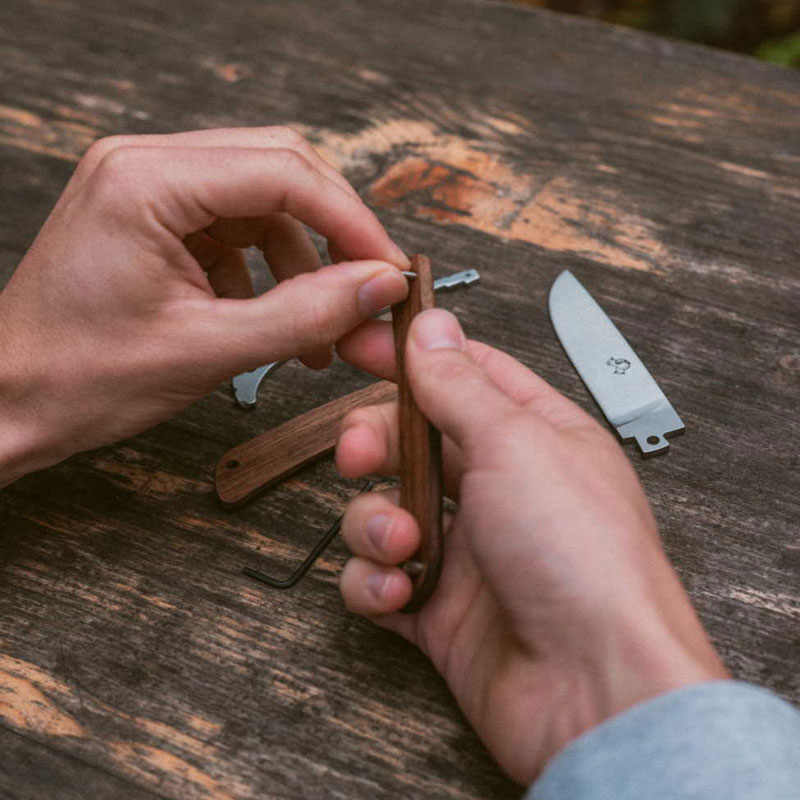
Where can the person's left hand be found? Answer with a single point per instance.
(556, 608)
(130, 304)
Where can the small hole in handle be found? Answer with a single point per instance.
(233, 463)
(653, 439)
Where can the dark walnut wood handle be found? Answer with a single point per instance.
(258, 463)
(420, 448)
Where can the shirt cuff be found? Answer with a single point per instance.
(721, 739)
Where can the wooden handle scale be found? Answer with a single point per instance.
(258, 463)
(420, 448)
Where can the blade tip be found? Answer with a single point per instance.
(557, 286)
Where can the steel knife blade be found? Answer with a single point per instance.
(620, 383)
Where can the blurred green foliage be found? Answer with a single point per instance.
(784, 51)
(769, 29)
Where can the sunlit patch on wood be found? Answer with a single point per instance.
(592, 223)
(177, 739)
(230, 73)
(65, 139)
(465, 181)
(76, 114)
(100, 103)
(202, 725)
(716, 104)
(373, 76)
(683, 111)
(160, 769)
(121, 84)
(675, 122)
(784, 604)
(747, 172)
(25, 706)
(748, 275)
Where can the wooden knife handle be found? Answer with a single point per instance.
(420, 448)
(258, 463)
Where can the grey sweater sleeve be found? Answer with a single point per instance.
(721, 740)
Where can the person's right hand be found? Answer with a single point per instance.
(134, 301)
(557, 607)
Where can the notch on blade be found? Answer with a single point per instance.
(620, 383)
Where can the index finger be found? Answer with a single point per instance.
(266, 137)
(187, 188)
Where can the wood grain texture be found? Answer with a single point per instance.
(665, 176)
(420, 446)
(33, 771)
(258, 463)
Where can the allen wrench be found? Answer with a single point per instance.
(313, 555)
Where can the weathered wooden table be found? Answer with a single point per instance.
(135, 660)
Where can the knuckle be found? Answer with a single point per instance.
(312, 324)
(121, 168)
(97, 151)
(291, 138)
(102, 147)
(121, 182)
(288, 161)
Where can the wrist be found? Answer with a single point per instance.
(21, 451)
(644, 652)
(24, 443)
(622, 653)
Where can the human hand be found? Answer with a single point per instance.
(557, 607)
(130, 304)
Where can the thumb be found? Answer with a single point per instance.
(455, 393)
(302, 313)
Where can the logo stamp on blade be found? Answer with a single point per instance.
(621, 365)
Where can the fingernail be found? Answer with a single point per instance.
(376, 583)
(378, 529)
(377, 293)
(438, 329)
